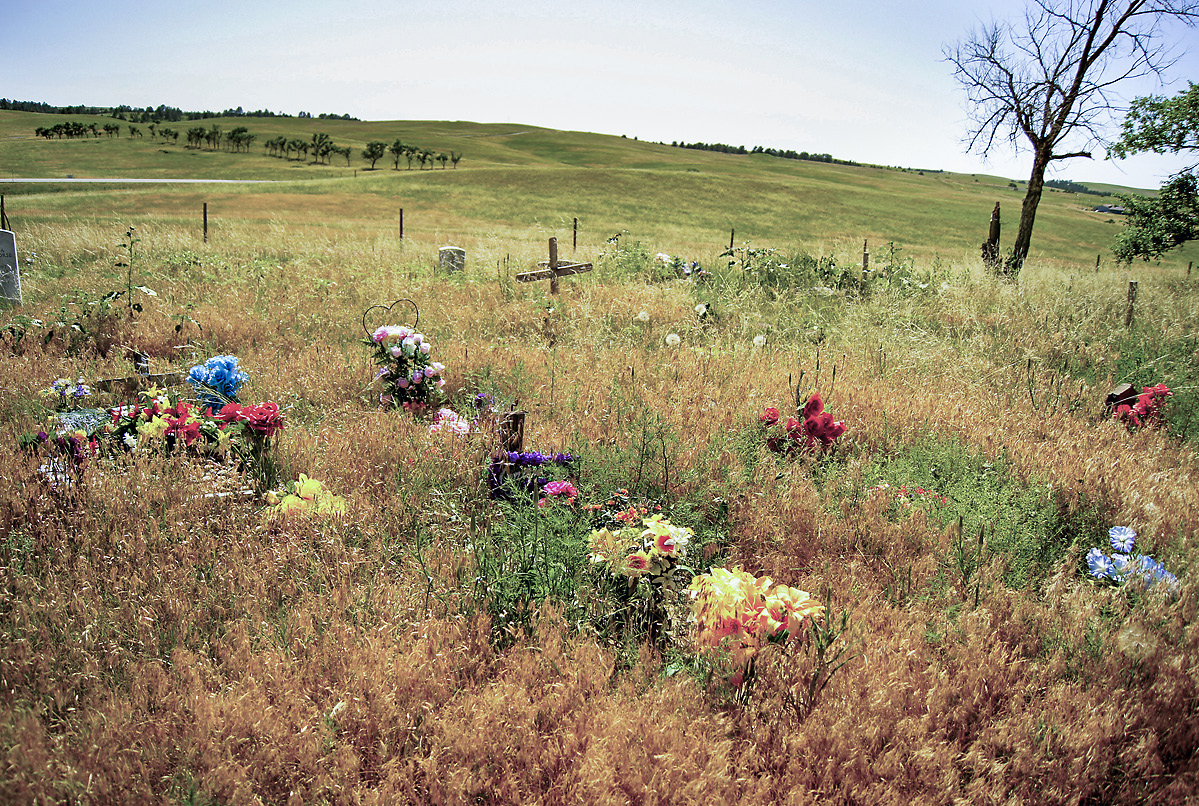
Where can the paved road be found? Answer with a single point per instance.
(146, 181)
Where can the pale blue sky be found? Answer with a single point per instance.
(862, 81)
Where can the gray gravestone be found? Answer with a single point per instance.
(451, 258)
(10, 269)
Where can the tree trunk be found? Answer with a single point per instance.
(1028, 212)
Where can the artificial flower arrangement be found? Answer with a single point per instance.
(738, 613)
(512, 474)
(1122, 566)
(217, 381)
(558, 492)
(621, 510)
(69, 452)
(682, 268)
(408, 378)
(1149, 411)
(448, 421)
(645, 559)
(815, 431)
(651, 550)
(307, 497)
(67, 394)
(907, 500)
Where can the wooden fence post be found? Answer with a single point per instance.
(4, 224)
(865, 261)
(732, 232)
(205, 222)
(553, 265)
(574, 244)
(1132, 298)
(401, 223)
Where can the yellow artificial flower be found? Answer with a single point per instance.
(154, 429)
(307, 488)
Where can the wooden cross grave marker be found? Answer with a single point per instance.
(551, 269)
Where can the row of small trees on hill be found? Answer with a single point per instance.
(321, 146)
(376, 150)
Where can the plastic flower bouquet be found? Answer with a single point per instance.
(513, 473)
(1123, 566)
(621, 511)
(407, 376)
(67, 394)
(161, 421)
(217, 380)
(645, 560)
(1149, 411)
(815, 431)
(308, 497)
(738, 613)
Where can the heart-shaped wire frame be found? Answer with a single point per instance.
(387, 309)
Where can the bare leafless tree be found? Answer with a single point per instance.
(1048, 81)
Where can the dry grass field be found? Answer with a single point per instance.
(164, 642)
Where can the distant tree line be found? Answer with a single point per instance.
(787, 154)
(158, 114)
(1073, 187)
(238, 139)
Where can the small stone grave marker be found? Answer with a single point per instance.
(10, 268)
(551, 269)
(451, 259)
(1122, 394)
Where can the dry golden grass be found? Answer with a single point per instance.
(161, 646)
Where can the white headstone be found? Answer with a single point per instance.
(451, 258)
(10, 268)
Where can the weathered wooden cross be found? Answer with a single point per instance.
(551, 269)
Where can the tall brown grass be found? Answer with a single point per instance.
(161, 645)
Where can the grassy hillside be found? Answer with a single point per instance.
(526, 181)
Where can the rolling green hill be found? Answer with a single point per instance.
(523, 180)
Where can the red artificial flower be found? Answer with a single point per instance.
(263, 418)
(229, 413)
(770, 417)
(814, 406)
(190, 431)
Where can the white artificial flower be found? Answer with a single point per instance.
(643, 316)
(673, 340)
(759, 341)
(662, 257)
(701, 309)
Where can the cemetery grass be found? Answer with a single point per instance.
(163, 645)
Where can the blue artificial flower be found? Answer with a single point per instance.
(219, 374)
(1122, 538)
(1100, 565)
(1120, 566)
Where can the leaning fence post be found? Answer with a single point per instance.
(1132, 298)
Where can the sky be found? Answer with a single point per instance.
(861, 81)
